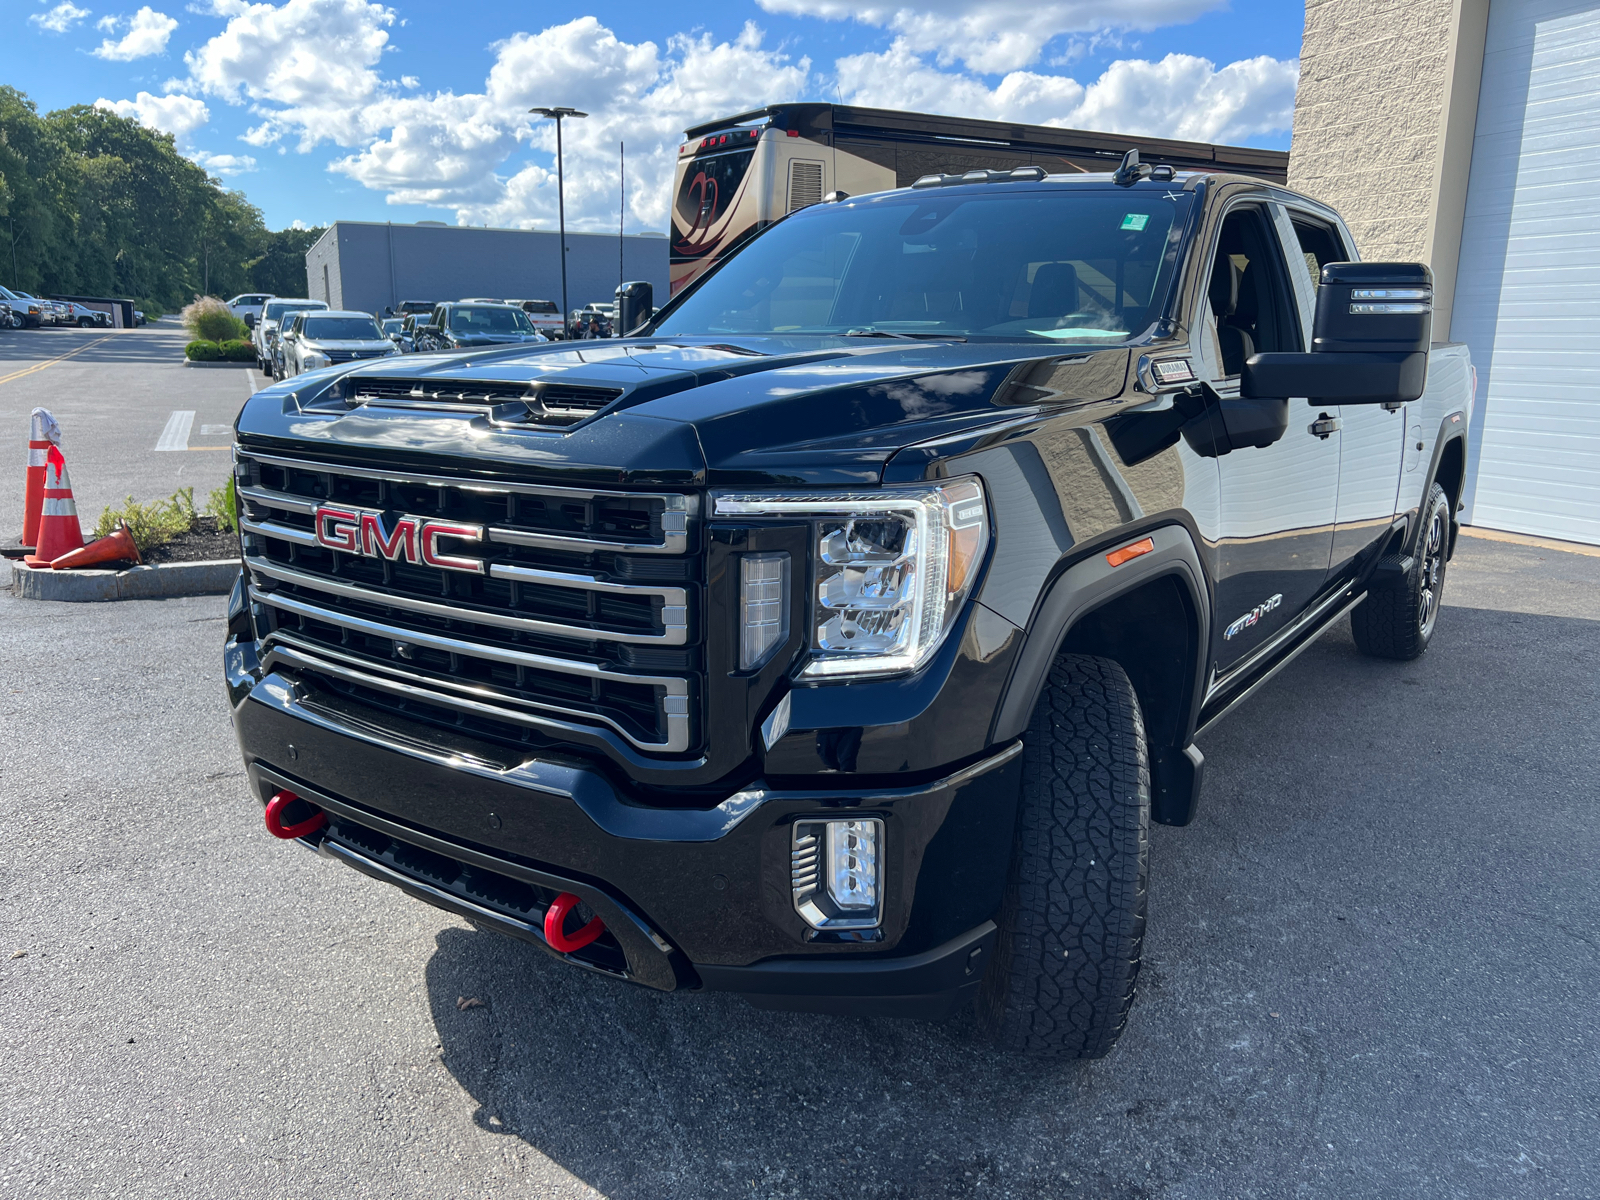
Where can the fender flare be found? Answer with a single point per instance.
(1452, 428)
(1085, 585)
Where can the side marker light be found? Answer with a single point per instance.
(1132, 550)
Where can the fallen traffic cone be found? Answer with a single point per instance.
(114, 547)
(59, 531)
(43, 433)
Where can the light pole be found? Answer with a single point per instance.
(555, 114)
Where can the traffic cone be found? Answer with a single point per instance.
(59, 531)
(114, 547)
(43, 433)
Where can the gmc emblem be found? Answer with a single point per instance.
(412, 539)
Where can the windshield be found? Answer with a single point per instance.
(276, 308)
(1049, 266)
(489, 318)
(341, 329)
(392, 325)
(541, 306)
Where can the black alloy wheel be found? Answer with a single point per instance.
(1397, 620)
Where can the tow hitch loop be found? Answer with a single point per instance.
(275, 826)
(556, 916)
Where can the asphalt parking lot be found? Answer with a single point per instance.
(1372, 965)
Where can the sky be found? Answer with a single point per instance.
(323, 110)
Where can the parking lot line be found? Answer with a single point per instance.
(50, 362)
(176, 435)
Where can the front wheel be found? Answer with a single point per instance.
(1398, 620)
(1072, 921)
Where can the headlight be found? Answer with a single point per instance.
(891, 569)
(314, 360)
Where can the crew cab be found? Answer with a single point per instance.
(834, 640)
(464, 324)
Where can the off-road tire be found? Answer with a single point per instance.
(1072, 921)
(1398, 620)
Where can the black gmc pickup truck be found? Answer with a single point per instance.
(833, 639)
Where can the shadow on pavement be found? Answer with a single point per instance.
(1371, 970)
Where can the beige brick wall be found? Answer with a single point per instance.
(1368, 117)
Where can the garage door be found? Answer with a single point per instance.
(1528, 292)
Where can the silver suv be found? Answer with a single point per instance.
(324, 339)
(265, 334)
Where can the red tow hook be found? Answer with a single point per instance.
(556, 916)
(275, 825)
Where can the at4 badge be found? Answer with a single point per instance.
(1251, 617)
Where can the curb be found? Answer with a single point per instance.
(214, 578)
(189, 362)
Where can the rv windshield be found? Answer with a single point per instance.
(1075, 266)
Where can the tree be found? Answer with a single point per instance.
(93, 203)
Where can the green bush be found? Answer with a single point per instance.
(209, 320)
(238, 350)
(152, 524)
(151, 310)
(223, 504)
(202, 352)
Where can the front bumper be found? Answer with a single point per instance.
(695, 898)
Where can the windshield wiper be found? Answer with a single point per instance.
(895, 333)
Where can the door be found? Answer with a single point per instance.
(1372, 437)
(1526, 294)
(1275, 524)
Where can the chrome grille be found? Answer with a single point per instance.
(540, 402)
(582, 619)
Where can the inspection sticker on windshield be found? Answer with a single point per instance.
(1136, 221)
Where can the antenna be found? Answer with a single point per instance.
(1131, 170)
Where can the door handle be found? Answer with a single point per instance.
(1324, 425)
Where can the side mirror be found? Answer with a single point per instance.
(249, 320)
(635, 305)
(1369, 343)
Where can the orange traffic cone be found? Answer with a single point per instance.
(115, 547)
(43, 433)
(59, 531)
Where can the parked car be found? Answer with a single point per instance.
(326, 338)
(460, 325)
(247, 307)
(138, 317)
(265, 335)
(419, 308)
(7, 317)
(543, 315)
(85, 317)
(835, 642)
(27, 312)
(394, 328)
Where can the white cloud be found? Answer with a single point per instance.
(106, 24)
(306, 66)
(147, 34)
(178, 115)
(1180, 96)
(224, 164)
(60, 18)
(992, 36)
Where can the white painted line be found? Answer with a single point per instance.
(250, 378)
(176, 435)
(214, 430)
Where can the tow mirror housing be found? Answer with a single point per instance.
(1369, 342)
(635, 306)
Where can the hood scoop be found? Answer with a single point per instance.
(540, 403)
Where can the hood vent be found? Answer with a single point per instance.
(506, 403)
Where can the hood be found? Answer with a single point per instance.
(746, 411)
(347, 343)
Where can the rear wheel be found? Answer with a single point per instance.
(1072, 922)
(1397, 620)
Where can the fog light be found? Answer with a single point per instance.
(764, 606)
(836, 873)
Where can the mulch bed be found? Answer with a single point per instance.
(207, 543)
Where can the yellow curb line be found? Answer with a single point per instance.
(1523, 539)
(53, 361)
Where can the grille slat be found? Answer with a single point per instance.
(560, 630)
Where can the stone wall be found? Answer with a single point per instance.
(1369, 117)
